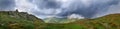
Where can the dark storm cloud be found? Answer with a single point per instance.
(47, 4)
(95, 8)
(7, 5)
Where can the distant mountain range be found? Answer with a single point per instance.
(23, 20)
(59, 20)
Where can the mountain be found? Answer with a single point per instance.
(59, 20)
(18, 20)
(106, 22)
(56, 20)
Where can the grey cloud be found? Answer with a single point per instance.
(47, 4)
(7, 4)
(114, 9)
(97, 7)
(45, 7)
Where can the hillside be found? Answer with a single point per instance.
(106, 22)
(23, 20)
(17, 20)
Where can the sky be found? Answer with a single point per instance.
(63, 8)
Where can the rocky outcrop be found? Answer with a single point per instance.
(17, 14)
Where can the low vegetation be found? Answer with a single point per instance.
(22, 20)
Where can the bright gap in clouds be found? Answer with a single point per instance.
(63, 0)
(23, 5)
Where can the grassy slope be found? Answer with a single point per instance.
(105, 22)
(17, 20)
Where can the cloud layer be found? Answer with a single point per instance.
(89, 8)
(63, 8)
(7, 5)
